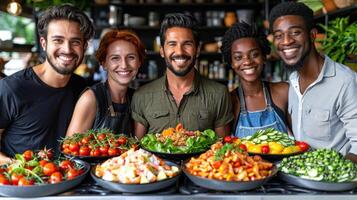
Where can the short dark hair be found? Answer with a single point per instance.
(66, 12)
(243, 30)
(179, 20)
(292, 8)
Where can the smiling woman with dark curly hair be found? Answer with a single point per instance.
(256, 104)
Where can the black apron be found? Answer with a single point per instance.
(107, 117)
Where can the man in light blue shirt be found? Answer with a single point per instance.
(322, 93)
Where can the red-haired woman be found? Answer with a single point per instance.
(107, 104)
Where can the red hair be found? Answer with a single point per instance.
(115, 35)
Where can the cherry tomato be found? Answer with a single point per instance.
(122, 140)
(265, 149)
(15, 178)
(67, 151)
(101, 136)
(28, 154)
(25, 182)
(227, 139)
(112, 151)
(217, 164)
(56, 177)
(243, 147)
(85, 140)
(4, 180)
(84, 151)
(72, 173)
(74, 147)
(49, 169)
(95, 152)
(66, 165)
(303, 146)
(103, 149)
(43, 162)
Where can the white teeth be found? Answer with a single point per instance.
(65, 58)
(249, 71)
(290, 52)
(180, 61)
(123, 73)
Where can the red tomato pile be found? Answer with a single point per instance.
(96, 143)
(32, 168)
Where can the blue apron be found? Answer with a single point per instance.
(251, 122)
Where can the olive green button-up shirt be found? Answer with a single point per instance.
(205, 106)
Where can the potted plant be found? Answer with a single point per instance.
(340, 42)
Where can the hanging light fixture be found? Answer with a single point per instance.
(14, 8)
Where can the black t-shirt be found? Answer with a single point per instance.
(33, 114)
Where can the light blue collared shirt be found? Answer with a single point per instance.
(325, 115)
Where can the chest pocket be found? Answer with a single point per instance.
(317, 124)
(204, 120)
(159, 119)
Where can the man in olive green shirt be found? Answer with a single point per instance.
(181, 95)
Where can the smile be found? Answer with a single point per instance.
(123, 72)
(290, 52)
(249, 71)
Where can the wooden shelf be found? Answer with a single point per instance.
(179, 7)
(339, 12)
(18, 48)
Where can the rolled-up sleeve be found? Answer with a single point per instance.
(137, 110)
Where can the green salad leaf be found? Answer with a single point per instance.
(193, 144)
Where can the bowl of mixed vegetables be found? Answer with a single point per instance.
(322, 169)
(227, 167)
(178, 143)
(136, 171)
(273, 145)
(37, 174)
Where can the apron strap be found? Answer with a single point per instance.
(240, 92)
(267, 96)
(109, 100)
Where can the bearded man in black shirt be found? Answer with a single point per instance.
(36, 104)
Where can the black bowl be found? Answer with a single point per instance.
(44, 189)
(136, 188)
(221, 185)
(89, 159)
(317, 185)
(174, 156)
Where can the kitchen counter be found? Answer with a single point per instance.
(185, 189)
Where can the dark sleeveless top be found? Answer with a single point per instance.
(116, 117)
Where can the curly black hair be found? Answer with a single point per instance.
(66, 12)
(292, 8)
(183, 20)
(243, 30)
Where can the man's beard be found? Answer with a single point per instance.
(180, 73)
(299, 64)
(62, 71)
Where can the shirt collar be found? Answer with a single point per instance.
(328, 70)
(194, 88)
